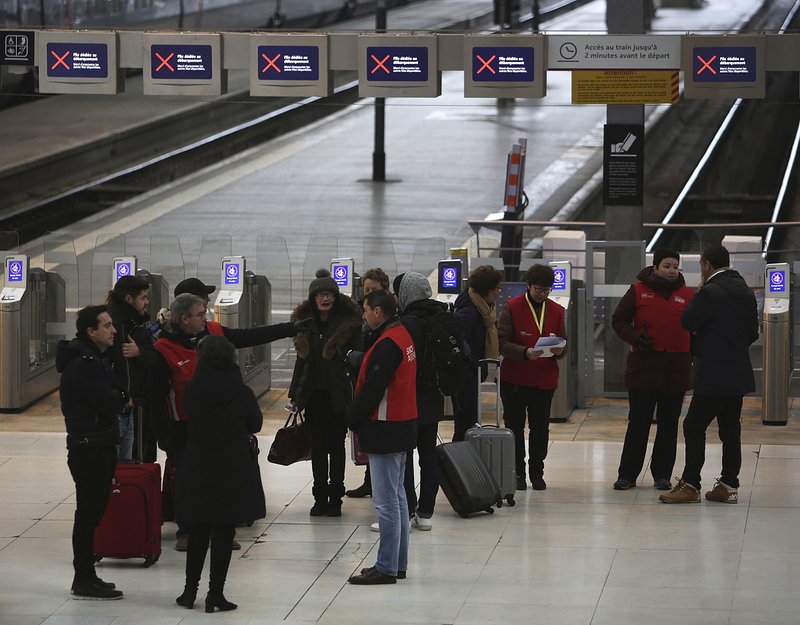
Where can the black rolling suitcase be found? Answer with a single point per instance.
(465, 480)
(495, 444)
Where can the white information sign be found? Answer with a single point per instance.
(570, 52)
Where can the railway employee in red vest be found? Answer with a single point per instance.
(178, 348)
(384, 414)
(648, 317)
(529, 376)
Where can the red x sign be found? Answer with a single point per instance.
(271, 63)
(380, 64)
(706, 65)
(485, 64)
(165, 61)
(59, 60)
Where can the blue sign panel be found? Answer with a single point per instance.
(559, 279)
(181, 62)
(288, 63)
(721, 64)
(77, 60)
(490, 64)
(232, 273)
(777, 281)
(14, 271)
(397, 64)
(123, 269)
(341, 274)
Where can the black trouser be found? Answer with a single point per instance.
(93, 471)
(180, 437)
(517, 401)
(221, 539)
(642, 405)
(327, 432)
(727, 409)
(428, 472)
(467, 408)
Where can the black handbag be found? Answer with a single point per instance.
(292, 442)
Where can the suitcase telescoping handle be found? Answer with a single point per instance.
(496, 363)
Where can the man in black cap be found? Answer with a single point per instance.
(195, 287)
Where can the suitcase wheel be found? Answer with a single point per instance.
(490, 510)
(150, 561)
(510, 501)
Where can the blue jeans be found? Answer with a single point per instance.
(126, 435)
(389, 499)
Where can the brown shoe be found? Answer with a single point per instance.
(723, 493)
(682, 493)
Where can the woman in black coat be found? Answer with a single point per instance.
(475, 311)
(219, 482)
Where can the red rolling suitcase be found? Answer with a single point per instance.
(495, 444)
(131, 525)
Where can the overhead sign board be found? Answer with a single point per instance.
(625, 87)
(623, 165)
(398, 66)
(18, 47)
(79, 62)
(505, 66)
(183, 64)
(289, 65)
(571, 52)
(724, 66)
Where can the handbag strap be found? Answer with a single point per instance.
(293, 418)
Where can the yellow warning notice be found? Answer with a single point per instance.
(625, 87)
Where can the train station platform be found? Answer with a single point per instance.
(578, 553)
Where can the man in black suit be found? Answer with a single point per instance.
(723, 317)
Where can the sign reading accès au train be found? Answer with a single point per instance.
(181, 62)
(724, 64)
(397, 63)
(502, 64)
(288, 63)
(77, 60)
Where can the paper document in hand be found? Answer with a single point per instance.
(546, 343)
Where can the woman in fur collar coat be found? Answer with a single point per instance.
(321, 387)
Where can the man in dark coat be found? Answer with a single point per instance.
(416, 307)
(131, 356)
(724, 318)
(91, 401)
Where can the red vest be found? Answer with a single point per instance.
(663, 317)
(542, 372)
(182, 362)
(399, 402)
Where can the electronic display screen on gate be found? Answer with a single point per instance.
(449, 274)
(776, 281)
(15, 271)
(559, 279)
(122, 269)
(232, 272)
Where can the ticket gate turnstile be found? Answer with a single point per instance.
(244, 300)
(32, 306)
(565, 399)
(777, 344)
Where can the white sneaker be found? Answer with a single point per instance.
(375, 527)
(421, 524)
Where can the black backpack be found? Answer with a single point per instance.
(445, 364)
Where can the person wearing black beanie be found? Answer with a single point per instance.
(320, 385)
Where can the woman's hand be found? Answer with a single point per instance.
(533, 354)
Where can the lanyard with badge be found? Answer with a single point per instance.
(540, 321)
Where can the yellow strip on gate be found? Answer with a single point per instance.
(625, 87)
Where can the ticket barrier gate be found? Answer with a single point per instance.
(244, 301)
(565, 398)
(777, 344)
(32, 307)
(159, 287)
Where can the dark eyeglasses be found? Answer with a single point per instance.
(541, 290)
(326, 295)
(200, 314)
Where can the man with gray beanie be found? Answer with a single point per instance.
(416, 310)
